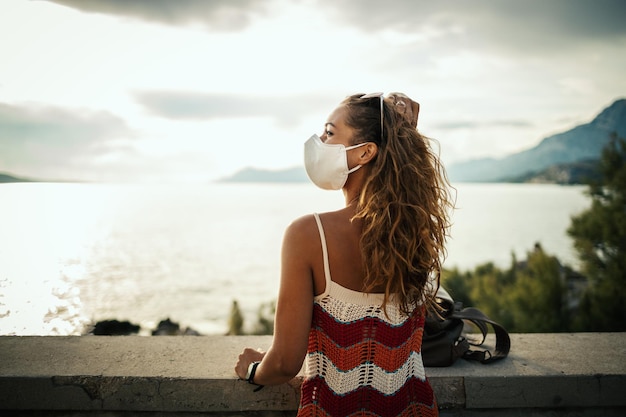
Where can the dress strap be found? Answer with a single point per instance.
(324, 252)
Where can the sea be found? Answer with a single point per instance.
(72, 254)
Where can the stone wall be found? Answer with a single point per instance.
(582, 374)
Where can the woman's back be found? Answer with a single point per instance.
(342, 241)
(362, 359)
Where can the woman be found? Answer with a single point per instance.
(356, 283)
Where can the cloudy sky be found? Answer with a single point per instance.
(194, 90)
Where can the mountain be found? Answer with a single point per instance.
(297, 174)
(581, 172)
(582, 143)
(4, 178)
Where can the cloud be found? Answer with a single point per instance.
(516, 26)
(528, 26)
(485, 71)
(218, 15)
(181, 105)
(47, 138)
(484, 124)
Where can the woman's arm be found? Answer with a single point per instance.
(294, 310)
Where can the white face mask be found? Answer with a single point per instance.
(327, 164)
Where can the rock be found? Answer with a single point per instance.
(115, 328)
(169, 328)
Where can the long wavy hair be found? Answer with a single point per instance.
(405, 206)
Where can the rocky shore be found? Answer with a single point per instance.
(126, 328)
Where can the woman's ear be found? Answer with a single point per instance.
(367, 152)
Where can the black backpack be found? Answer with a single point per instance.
(443, 341)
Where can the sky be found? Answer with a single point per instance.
(195, 90)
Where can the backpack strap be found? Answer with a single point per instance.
(479, 323)
(503, 341)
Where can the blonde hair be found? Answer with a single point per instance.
(404, 205)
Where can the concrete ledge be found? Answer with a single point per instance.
(95, 375)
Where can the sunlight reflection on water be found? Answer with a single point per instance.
(72, 254)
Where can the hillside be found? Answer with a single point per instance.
(582, 143)
(296, 174)
(6, 178)
(581, 172)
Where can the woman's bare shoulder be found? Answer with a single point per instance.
(302, 228)
(305, 228)
(301, 241)
(308, 224)
(303, 223)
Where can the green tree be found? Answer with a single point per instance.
(458, 284)
(537, 300)
(530, 296)
(264, 325)
(599, 235)
(484, 288)
(265, 319)
(489, 287)
(235, 320)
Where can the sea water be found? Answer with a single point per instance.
(73, 254)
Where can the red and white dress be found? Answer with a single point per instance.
(361, 361)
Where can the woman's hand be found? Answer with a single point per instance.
(246, 357)
(406, 106)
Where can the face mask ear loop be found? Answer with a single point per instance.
(350, 171)
(358, 145)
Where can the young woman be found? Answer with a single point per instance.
(356, 282)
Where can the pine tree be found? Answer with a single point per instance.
(599, 236)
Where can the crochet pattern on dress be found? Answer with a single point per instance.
(363, 362)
